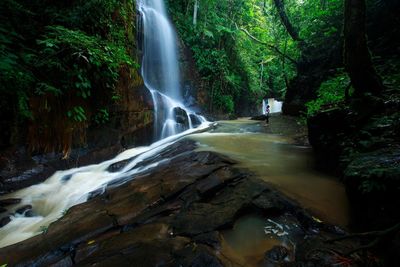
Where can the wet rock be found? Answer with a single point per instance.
(2, 210)
(195, 120)
(9, 202)
(24, 209)
(96, 193)
(118, 166)
(4, 221)
(29, 213)
(181, 116)
(66, 262)
(205, 259)
(216, 181)
(210, 239)
(172, 216)
(143, 246)
(277, 254)
(220, 211)
(66, 178)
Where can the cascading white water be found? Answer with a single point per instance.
(160, 71)
(65, 189)
(274, 105)
(264, 107)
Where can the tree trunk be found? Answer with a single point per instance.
(357, 59)
(283, 64)
(285, 20)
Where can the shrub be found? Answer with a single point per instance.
(330, 93)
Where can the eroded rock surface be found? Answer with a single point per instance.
(172, 215)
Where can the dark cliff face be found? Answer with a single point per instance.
(194, 89)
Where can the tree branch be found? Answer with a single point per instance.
(285, 20)
(271, 47)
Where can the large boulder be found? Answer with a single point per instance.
(181, 117)
(195, 120)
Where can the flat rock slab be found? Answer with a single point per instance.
(171, 215)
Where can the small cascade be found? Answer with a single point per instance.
(172, 117)
(160, 71)
(264, 106)
(274, 105)
(67, 188)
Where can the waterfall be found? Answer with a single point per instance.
(275, 106)
(160, 71)
(173, 121)
(264, 106)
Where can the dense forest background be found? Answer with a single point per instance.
(61, 61)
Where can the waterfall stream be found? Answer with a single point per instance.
(160, 71)
(275, 106)
(64, 189)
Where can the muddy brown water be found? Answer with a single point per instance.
(288, 167)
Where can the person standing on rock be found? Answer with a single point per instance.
(267, 110)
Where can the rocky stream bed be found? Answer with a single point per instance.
(175, 216)
(184, 212)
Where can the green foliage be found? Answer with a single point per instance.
(77, 114)
(59, 65)
(15, 78)
(330, 93)
(228, 61)
(102, 116)
(224, 103)
(64, 53)
(81, 62)
(319, 21)
(222, 50)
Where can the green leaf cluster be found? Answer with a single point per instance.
(77, 114)
(223, 50)
(62, 49)
(228, 61)
(60, 62)
(331, 93)
(80, 62)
